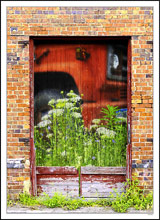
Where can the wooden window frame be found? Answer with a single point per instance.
(31, 69)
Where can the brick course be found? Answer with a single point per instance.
(23, 22)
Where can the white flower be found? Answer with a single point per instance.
(75, 99)
(96, 121)
(45, 117)
(76, 115)
(122, 119)
(75, 109)
(88, 143)
(57, 112)
(62, 100)
(51, 102)
(44, 123)
(49, 135)
(63, 153)
(107, 132)
(71, 94)
(69, 105)
(93, 127)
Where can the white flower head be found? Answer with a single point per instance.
(62, 100)
(107, 132)
(76, 115)
(69, 105)
(44, 123)
(56, 112)
(63, 153)
(96, 121)
(51, 102)
(45, 117)
(71, 94)
(75, 99)
(49, 135)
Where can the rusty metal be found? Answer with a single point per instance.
(129, 146)
(32, 150)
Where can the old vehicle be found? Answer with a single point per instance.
(96, 69)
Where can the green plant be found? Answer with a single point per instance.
(133, 197)
(10, 202)
(110, 116)
(27, 199)
(62, 140)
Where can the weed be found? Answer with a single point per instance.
(62, 140)
(133, 197)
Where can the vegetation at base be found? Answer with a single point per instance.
(61, 139)
(133, 197)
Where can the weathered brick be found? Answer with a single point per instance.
(23, 22)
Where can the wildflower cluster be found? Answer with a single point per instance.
(62, 140)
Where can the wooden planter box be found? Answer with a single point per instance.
(93, 182)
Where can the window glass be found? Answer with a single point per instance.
(117, 62)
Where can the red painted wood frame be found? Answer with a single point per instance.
(31, 60)
(32, 150)
(129, 146)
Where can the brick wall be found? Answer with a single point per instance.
(23, 22)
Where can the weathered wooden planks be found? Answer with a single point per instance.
(56, 170)
(90, 75)
(64, 180)
(103, 170)
(100, 181)
(94, 181)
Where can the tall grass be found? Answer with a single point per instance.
(62, 140)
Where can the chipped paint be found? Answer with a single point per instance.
(64, 180)
(27, 185)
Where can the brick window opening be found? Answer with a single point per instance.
(97, 72)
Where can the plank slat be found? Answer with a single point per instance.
(103, 170)
(64, 180)
(58, 179)
(51, 191)
(56, 170)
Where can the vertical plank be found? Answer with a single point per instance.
(129, 146)
(32, 150)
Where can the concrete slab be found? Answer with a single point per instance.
(83, 210)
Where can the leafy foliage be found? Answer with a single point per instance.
(133, 197)
(110, 116)
(27, 199)
(62, 140)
